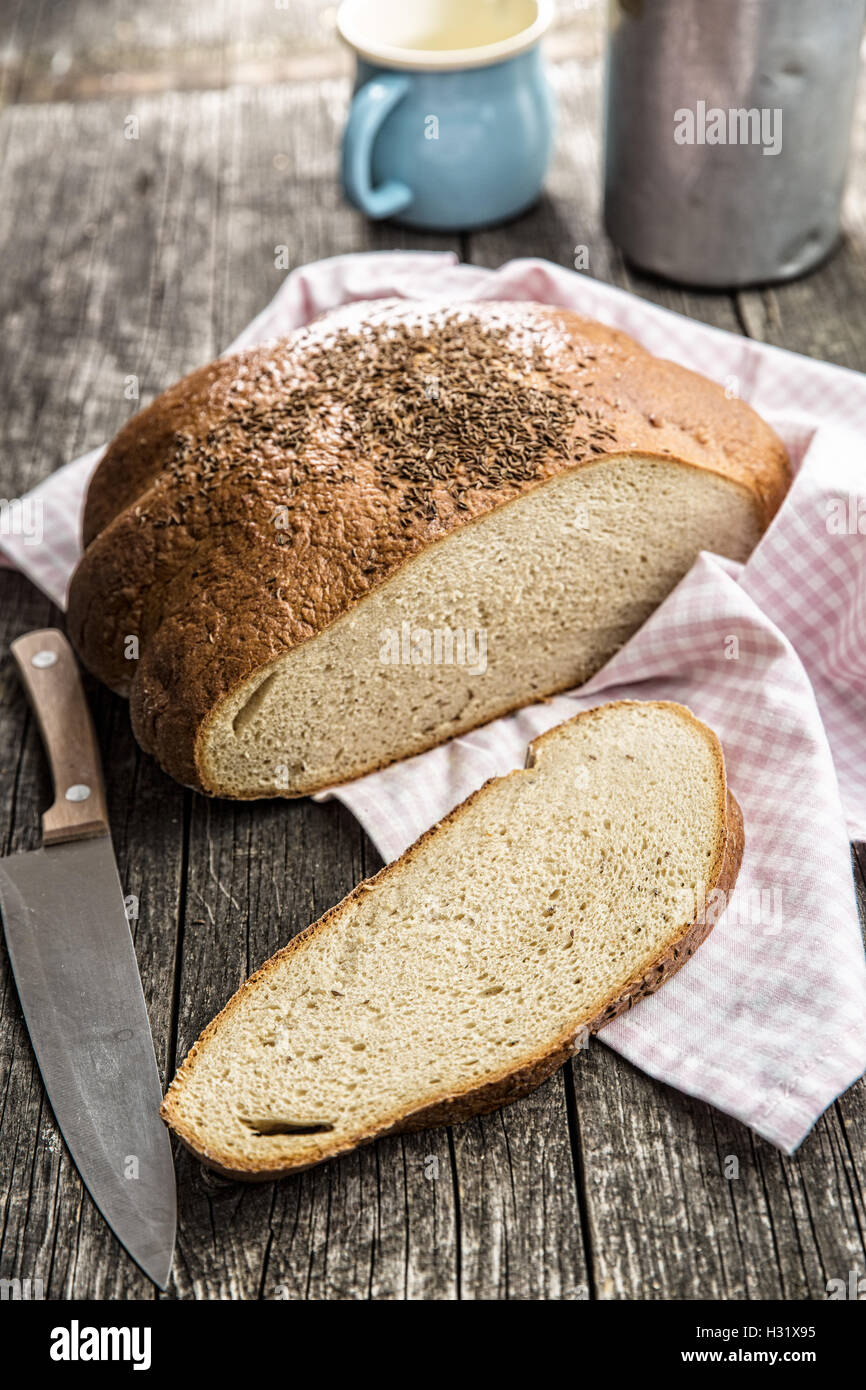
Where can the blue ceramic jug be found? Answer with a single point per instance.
(451, 123)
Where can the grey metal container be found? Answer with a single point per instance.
(697, 90)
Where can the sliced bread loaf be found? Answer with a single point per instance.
(464, 974)
(311, 559)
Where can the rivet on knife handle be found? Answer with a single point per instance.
(50, 676)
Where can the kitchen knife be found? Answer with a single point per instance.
(74, 963)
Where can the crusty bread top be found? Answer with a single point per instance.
(252, 504)
(648, 404)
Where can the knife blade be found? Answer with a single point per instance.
(74, 964)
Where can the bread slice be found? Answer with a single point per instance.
(404, 520)
(464, 974)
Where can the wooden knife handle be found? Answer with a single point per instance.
(50, 676)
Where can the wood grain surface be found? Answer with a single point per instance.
(139, 259)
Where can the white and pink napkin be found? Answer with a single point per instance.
(768, 1021)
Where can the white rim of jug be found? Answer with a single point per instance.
(437, 60)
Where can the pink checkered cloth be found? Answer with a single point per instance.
(768, 1021)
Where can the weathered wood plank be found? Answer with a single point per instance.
(109, 248)
(95, 48)
(668, 1222)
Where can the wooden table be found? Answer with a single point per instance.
(143, 258)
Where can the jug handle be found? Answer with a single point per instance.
(370, 106)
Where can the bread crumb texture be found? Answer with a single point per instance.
(464, 973)
(556, 583)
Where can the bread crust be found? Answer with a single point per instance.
(187, 558)
(511, 1084)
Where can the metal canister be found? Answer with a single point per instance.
(727, 134)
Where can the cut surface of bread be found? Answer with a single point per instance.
(508, 474)
(465, 973)
(531, 599)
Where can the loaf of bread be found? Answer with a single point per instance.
(464, 974)
(310, 559)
